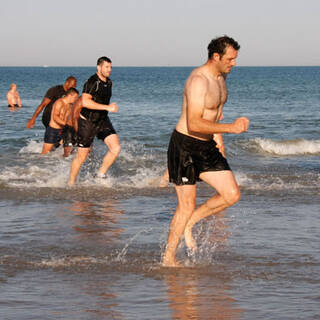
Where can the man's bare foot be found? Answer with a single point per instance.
(170, 262)
(189, 240)
(100, 175)
(71, 183)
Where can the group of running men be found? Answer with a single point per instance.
(76, 120)
(196, 150)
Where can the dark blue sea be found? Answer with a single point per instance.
(94, 251)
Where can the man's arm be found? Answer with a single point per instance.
(196, 90)
(75, 114)
(217, 137)
(19, 100)
(42, 105)
(68, 116)
(88, 103)
(10, 99)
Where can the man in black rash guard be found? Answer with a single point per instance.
(93, 119)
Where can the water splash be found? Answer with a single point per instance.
(122, 254)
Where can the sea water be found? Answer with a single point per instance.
(94, 251)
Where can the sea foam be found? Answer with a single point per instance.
(289, 147)
(136, 167)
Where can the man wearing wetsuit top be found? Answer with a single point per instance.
(93, 119)
(193, 152)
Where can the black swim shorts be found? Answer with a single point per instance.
(87, 130)
(188, 157)
(52, 135)
(68, 136)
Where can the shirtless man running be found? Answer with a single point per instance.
(13, 97)
(193, 154)
(60, 117)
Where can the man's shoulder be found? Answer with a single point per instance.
(58, 103)
(91, 84)
(94, 78)
(58, 89)
(197, 77)
(200, 71)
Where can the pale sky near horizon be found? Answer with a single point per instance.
(157, 33)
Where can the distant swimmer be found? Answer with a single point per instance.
(193, 154)
(13, 97)
(91, 119)
(60, 117)
(49, 99)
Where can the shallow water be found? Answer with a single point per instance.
(94, 251)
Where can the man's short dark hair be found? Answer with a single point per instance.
(219, 45)
(72, 91)
(103, 59)
(70, 78)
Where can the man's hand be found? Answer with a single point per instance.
(30, 123)
(241, 125)
(220, 145)
(112, 107)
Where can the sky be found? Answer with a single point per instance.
(157, 32)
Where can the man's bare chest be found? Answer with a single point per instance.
(216, 95)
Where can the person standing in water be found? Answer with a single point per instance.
(91, 119)
(13, 97)
(52, 95)
(193, 154)
(60, 117)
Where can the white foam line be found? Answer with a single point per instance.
(289, 147)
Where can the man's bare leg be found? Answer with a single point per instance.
(66, 151)
(114, 147)
(186, 195)
(164, 180)
(47, 147)
(77, 162)
(228, 194)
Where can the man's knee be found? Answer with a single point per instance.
(188, 205)
(113, 144)
(82, 156)
(233, 196)
(115, 149)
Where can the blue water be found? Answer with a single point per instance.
(94, 251)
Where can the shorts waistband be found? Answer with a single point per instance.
(191, 139)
